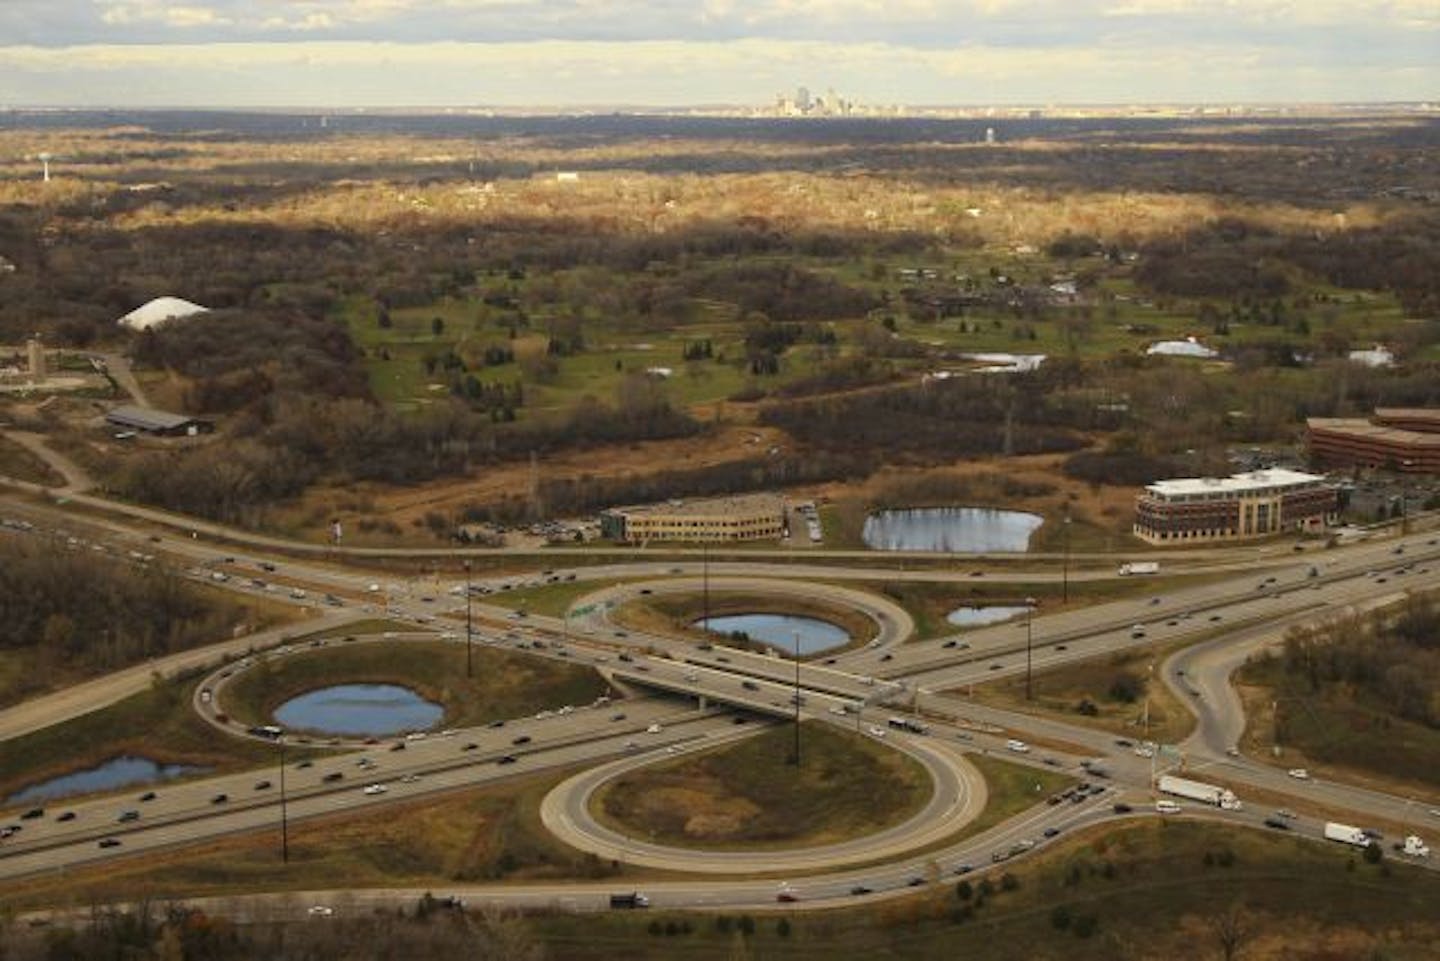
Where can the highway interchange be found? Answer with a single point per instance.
(689, 697)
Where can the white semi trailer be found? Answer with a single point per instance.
(1346, 834)
(1199, 791)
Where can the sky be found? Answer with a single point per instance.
(670, 53)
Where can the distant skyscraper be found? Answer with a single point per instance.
(802, 99)
(989, 134)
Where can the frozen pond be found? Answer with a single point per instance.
(115, 773)
(780, 630)
(359, 709)
(980, 616)
(965, 530)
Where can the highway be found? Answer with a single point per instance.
(1227, 618)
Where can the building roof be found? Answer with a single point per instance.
(711, 506)
(1429, 416)
(1189, 347)
(1234, 484)
(158, 311)
(1365, 430)
(144, 418)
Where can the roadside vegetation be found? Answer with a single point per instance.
(159, 723)
(1122, 693)
(19, 463)
(501, 684)
(67, 615)
(1146, 892)
(1360, 693)
(749, 795)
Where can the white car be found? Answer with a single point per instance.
(321, 911)
(876, 731)
(1167, 807)
(1299, 774)
(653, 729)
(1019, 747)
(407, 779)
(374, 789)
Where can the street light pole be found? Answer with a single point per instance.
(1065, 569)
(469, 633)
(796, 636)
(1029, 643)
(284, 820)
(705, 577)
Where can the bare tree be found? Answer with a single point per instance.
(1232, 928)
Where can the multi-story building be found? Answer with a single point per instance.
(743, 518)
(1257, 504)
(1396, 438)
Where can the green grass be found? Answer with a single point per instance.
(748, 796)
(503, 685)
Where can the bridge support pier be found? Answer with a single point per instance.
(704, 702)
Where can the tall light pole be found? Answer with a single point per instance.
(1029, 643)
(469, 631)
(705, 579)
(796, 636)
(1065, 568)
(284, 820)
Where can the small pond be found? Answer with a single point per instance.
(966, 530)
(980, 616)
(359, 709)
(780, 631)
(115, 773)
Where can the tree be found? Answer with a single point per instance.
(1232, 927)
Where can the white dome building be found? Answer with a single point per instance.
(159, 311)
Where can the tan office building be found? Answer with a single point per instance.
(743, 518)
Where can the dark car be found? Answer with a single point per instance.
(128, 816)
(398, 746)
(148, 796)
(469, 746)
(220, 799)
(916, 881)
(1051, 832)
(964, 869)
(304, 764)
(507, 759)
(262, 785)
(32, 814)
(860, 889)
(496, 723)
(1122, 809)
(67, 816)
(333, 776)
(522, 739)
(108, 842)
(1279, 824)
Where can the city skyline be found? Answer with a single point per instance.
(441, 53)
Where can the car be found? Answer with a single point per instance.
(1062, 647)
(148, 796)
(994, 667)
(1051, 832)
(963, 869)
(1167, 807)
(1232, 751)
(522, 739)
(1287, 814)
(887, 656)
(1000, 856)
(333, 776)
(653, 729)
(320, 911)
(1215, 617)
(304, 764)
(786, 896)
(1054, 799)
(410, 779)
(469, 746)
(618, 716)
(66, 816)
(370, 790)
(1372, 834)
(9, 831)
(496, 723)
(915, 881)
(1278, 824)
(108, 843)
(262, 785)
(1299, 773)
(860, 889)
(131, 815)
(507, 759)
(950, 643)
(1124, 742)
(32, 814)
(220, 799)
(1122, 808)
(750, 685)
(876, 731)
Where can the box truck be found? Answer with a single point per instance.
(1199, 791)
(1346, 834)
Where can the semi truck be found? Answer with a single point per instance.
(1199, 791)
(629, 901)
(1346, 834)
(1139, 567)
(1415, 848)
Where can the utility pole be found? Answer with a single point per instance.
(284, 820)
(1029, 644)
(469, 631)
(705, 578)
